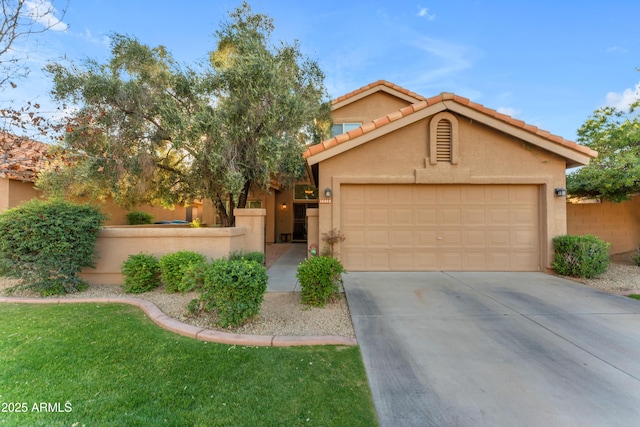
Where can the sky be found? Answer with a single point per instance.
(549, 63)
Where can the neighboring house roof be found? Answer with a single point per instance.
(575, 154)
(20, 158)
(379, 86)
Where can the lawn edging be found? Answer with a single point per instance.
(201, 334)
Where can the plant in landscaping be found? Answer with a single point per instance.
(258, 257)
(320, 279)
(141, 273)
(47, 243)
(580, 256)
(235, 289)
(193, 277)
(331, 238)
(173, 267)
(139, 217)
(636, 257)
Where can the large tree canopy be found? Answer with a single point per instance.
(615, 174)
(154, 131)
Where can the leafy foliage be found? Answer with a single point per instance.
(615, 173)
(331, 238)
(580, 256)
(174, 266)
(141, 273)
(49, 242)
(320, 279)
(235, 289)
(155, 131)
(139, 217)
(258, 257)
(636, 257)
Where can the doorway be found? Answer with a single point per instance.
(300, 220)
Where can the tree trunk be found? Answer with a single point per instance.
(244, 195)
(222, 212)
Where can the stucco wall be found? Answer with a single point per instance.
(368, 109)
(487, 156)
(616, 223)
(13, 192)
(115, 244)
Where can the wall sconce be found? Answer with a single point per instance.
(560, 192)
(327, 193)
(284, 206)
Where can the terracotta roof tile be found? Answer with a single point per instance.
(373, 85)
(424, 103)
(20, 158)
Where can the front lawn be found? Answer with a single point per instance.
(91, 364)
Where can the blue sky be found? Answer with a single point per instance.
(549, 63)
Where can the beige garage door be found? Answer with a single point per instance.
(440, 227)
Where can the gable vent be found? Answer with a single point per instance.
(443, 141)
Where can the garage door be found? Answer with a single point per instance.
(440, 227)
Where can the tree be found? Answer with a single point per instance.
(21, 19)
(155, 131)
(615, 174)
(18, 19)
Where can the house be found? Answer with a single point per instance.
(440, 183)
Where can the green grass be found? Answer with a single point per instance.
(115, 367)
(634, 296)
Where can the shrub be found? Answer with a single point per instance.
(139, 217)
(173, 267)
(636, 257)
(580, 256)
(235, 289)
(320, 278)
(258, 257)
(193, 277)
(141, 273)
(331, 238)
(47, 243)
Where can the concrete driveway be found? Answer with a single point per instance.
(496, 349)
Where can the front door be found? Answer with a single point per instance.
(300, 220)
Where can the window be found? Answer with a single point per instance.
(443, 139)
(305, 192)
(339, 128)
(254, 204)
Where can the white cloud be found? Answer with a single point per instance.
(43, 12)
(424, 13)
(617, 49)
(452, 58)
(622, 101)
(509, 111)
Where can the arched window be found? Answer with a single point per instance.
(443, 139)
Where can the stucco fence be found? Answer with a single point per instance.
(116, 243)
(616, 223)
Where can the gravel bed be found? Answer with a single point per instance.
(281, 313)
(622, 276)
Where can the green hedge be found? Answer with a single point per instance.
(580, 256)
(47, 243)
(235, 289)
(139, 217)
(174, 266)
(141, 273)
(320, 279)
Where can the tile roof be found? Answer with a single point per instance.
(426, 102)
(20, 158)
(379, 83)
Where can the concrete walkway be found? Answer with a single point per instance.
(496, 349)
(282, 274)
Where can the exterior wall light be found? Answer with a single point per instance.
(327, 193)
(284, 206)
(560, 192)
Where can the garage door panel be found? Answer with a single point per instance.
(377, 216)
(440, 227)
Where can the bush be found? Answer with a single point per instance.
(320, 279)
(636, 257)
(47, 243)
(235, 289)
(580, 256)
(141, 273)
(139, 217)
(193, 277)
(258, 257)
(173, 267)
